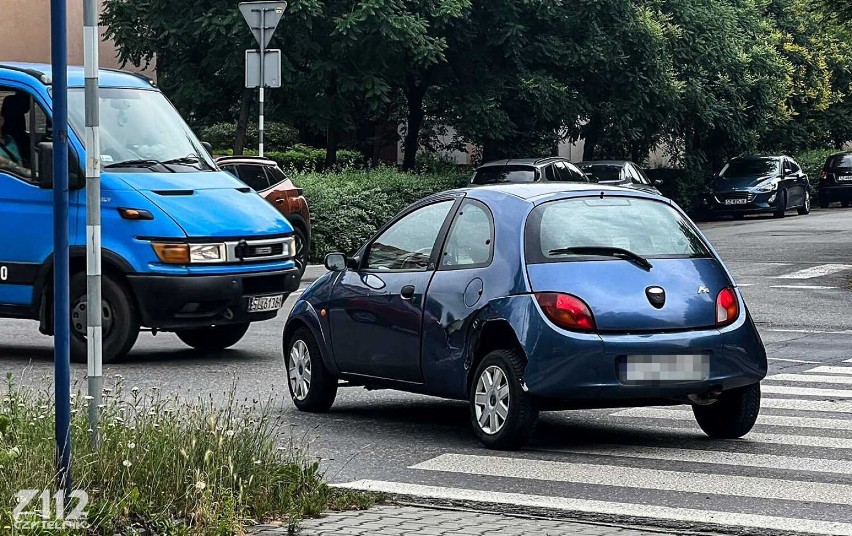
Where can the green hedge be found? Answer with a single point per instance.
(348, 207)
(276, 136)
(304, 159)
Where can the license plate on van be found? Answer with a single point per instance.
(666, 368)
(258, 304)
(736, 201)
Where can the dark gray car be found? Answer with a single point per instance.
(758, 184)
(619, 173)
(519, 170)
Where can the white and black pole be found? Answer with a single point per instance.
(94, 309)
(262, 80)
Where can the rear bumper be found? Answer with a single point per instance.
(835, 192)
(180, 302)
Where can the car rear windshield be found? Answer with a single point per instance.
(511, 174)
(604, 173)
(642, 226)
(840, 161)
(749, 168)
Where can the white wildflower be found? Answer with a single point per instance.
(127, 463)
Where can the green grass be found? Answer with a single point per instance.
(166, 466)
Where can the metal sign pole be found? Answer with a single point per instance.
(94, 310)
(262, 58)
(61, 291)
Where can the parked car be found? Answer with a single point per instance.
(758, 184)
(269, 180)
(525, 297)
(835, 181)
(619, 173)
(520, 170)
(185, 248)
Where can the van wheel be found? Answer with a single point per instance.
(781, 208)
(312, 387)
(120, 323)
(733, 415)
(502, 414)
(213, 338)
(806, 207)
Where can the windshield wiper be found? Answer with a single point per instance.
(605, 251)
(188, 160)
(141, 163)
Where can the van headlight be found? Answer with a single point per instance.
(289, 247)
(190, 253)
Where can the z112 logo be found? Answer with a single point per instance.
(56, 512)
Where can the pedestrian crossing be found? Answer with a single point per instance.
(786, 276)
(792, 474)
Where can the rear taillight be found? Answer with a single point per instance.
(727, 307)
(823, 176)
(566, 311)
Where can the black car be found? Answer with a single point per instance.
(619, 173)
(519, 170)
(835, 181)
(758, 184)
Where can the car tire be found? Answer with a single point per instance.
(806, 206)
(738, 216)
(733, 415)
(781, 209)
(844, 204)
(824, 203)
(120, 322)
(316, 392)
(302, 249)
(213, 338)
(512, 427)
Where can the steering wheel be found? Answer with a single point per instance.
(415, 259)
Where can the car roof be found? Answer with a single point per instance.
(532, 191)
(603, 162)
(757, 157)
(76, 76)
(532, 162)
(246, 159)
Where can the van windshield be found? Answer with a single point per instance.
(139, 126)
(644, 227)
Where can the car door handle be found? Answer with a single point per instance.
(407, 292)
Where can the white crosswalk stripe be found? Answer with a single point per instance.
(816, 271)
(810, 378)
(806, 391)
(763, 419)
(831, 370)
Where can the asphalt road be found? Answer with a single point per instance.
(791, 473)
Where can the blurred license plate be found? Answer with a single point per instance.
(736, 201)
(666, 368)
(844, 178)
(265, 303)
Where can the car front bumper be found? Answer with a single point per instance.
(181, 302)
(748, 202)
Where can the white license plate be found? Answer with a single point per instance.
(736, 201)
(666, 368)
(844, 178)
(259, 304)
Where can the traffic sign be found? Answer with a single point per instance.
(263, 18)
(271, 68)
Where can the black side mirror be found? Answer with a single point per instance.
(336, 262)
(44, 172)
(206, 145)
(658, 182)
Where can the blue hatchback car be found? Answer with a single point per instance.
(521, 298)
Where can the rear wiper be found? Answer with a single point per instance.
(605, 251)
(142, 163)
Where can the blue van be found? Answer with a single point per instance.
(187, 248)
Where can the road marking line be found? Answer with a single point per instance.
(739, 459)
(764, 420)
(821, 406)
(831, 370)
(640, 478)
(755, 437)
(745, 284)
(848, 361)
(810, 378)
(812, 331)
(793, 360)
(689, 515)
(816, 271)
(806, 391)
(803, 287)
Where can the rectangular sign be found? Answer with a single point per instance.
(271, 68)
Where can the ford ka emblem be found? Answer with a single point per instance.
(703, 290)
(656, 296)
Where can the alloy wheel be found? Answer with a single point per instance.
(299, 370)
(492, 400)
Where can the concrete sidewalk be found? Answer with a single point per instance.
(390, 520)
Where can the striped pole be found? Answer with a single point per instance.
(94, 310)
(262, 79)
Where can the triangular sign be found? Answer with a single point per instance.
(269, 13)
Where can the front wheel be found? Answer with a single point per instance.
(781, 206)
(213, 338)
(119, 321)
(806, 206)
(302, 250)
(312, 387)
(502, 414)
(733, 415)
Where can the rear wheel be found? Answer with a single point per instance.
(781, 205)
(312, 387)
(213, 338)
(806, 206)
(302, 247)
(119, 321)
(502, 414)
(733, 415)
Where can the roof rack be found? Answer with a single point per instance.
(44, 78)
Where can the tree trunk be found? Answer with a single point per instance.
(242, 123)
(415, 94)
(331, 144)
(591, 133)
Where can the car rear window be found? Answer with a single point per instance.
(603, 172)
(840, 161)
(510, 174)
(643, 226)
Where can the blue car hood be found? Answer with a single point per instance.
(209, 204)
(615, 291)
(738, 183)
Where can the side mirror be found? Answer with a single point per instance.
(336, 262)
(44, 172)
(206, 145)
(658, 182)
